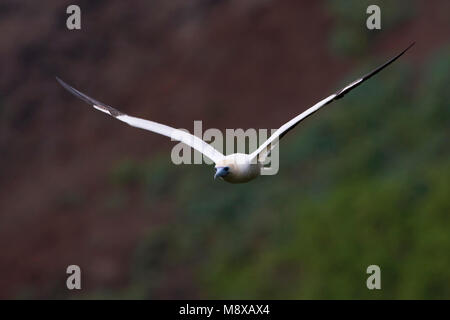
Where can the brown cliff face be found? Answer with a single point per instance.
(169, 61)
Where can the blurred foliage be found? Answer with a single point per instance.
(350, 36)
(68, 199)
(154, 179)
(365, 182)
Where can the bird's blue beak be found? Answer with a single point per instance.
(221, 172)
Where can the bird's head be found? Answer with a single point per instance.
(221, 171)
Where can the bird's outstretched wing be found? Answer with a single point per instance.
(270, 143)
(175, 134)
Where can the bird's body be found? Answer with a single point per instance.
(241, 168)
(237, 167)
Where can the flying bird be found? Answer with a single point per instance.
(237, 167)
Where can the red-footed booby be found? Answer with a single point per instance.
(237, 167)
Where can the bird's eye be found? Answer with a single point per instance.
(226, 168)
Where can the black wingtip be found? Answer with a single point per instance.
(66, 86)
(113, 112)
(59, 80)
(409, 47)
(339, 94)
(78, 94)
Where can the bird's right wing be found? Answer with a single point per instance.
(270, 143)
(175, 134)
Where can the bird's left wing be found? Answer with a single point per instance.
(175, 134)
(270, 143)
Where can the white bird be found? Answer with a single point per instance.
(237, 167)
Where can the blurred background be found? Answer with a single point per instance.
(364, 181)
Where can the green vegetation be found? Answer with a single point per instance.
(365, 182)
